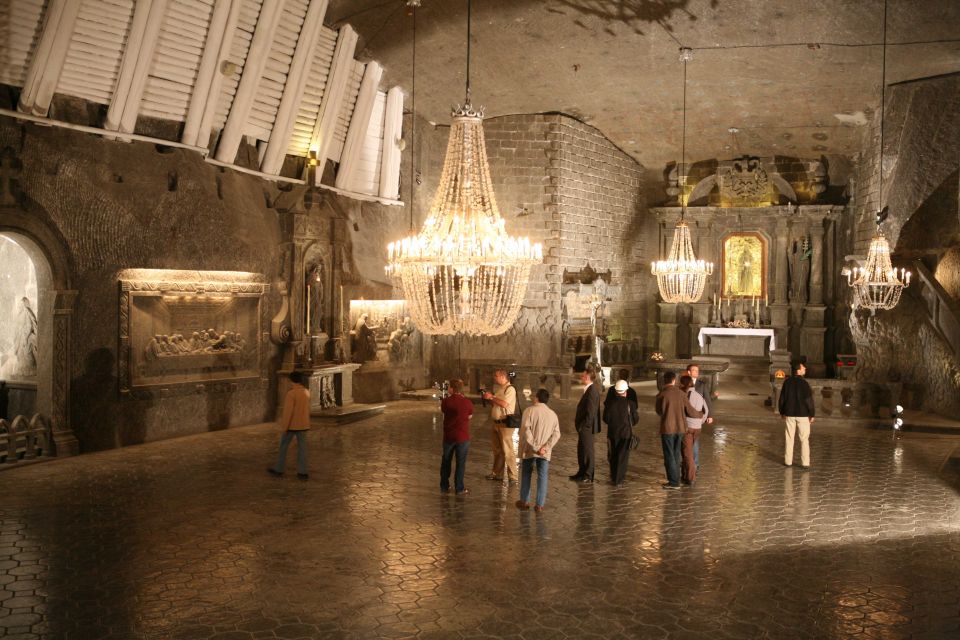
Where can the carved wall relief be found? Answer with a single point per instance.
(174, 332)
(383, 332)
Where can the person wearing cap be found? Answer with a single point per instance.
(621, 416)
(797, 408)
(691, 438)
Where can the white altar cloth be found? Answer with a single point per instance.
(734, 331)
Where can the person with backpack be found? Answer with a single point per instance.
(504, 416)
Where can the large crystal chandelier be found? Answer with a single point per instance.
(681, 277)
(877, 285)
(463, 273)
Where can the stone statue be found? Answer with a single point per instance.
(25, 340)
(400, 344)
(314, 294)
(800, 270)
(364, 341)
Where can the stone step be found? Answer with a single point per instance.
(343, 415)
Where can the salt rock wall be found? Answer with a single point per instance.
(901, 346)
(139, 206)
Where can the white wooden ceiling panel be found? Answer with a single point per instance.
(24, 22)
(246, 23)
(309, 108)
(96, 49)
(346, 111)
(176, 59)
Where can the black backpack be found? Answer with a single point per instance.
(513, 420)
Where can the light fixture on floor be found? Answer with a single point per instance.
(877, 285)
(463, 273)
(681, 277)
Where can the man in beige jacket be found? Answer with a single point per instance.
(539, 434)
(295, 422)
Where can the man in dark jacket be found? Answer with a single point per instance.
(797, 408)
(673, 407)
(620, 414)
(587, 424)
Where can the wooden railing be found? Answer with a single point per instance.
(23, 439)
(942, 311)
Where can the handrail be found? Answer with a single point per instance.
(943, 312)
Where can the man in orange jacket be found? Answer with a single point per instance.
(294, 422)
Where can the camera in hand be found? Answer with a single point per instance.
(483, 392)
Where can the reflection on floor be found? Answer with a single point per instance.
(191, 538)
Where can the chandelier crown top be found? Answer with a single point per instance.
(467, 111)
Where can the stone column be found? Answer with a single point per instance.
(700, 317)
(780, 260)
(65, 442)
(816, 262)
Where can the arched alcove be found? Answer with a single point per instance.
(28, 237)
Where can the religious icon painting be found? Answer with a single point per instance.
(744, 262)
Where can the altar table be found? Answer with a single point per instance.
(736, 332)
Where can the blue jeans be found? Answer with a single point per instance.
(449, 449)
(526, 471)
(672, 450)
(301, 450)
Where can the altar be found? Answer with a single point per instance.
(736, 341)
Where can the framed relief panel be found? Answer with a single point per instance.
(175, 332)
(744, 265)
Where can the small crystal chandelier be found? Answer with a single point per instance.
(877, 285)
(681, 277)
(463, 273)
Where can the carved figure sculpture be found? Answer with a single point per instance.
(25, 340)
(364, 341)
(800, 270)
(314, 293)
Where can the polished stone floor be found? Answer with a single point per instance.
(191, 538)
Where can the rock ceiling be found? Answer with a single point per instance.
(793, 77)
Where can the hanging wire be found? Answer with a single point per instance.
(469, 12)
(413, 117)
(883, 92)
(684, 56)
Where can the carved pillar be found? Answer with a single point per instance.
(816, 262)
(700, 317)
(65, 443)
(780, 281)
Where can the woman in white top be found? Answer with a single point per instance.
(688, 474)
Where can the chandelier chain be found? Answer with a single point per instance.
(413, 115)
(469, 14)
(883, 95)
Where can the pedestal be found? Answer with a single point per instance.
(780, 322)
(667, 339)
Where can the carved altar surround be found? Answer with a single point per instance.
(799, 320)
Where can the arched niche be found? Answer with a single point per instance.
(26, 225)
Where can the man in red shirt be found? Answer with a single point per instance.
(457, 411)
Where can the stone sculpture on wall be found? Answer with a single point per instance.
(364, 345)
(25, 341)
(800, 270)
(314, 292)
(400, 345)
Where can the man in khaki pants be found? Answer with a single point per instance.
(504, 403)
(796, 407)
